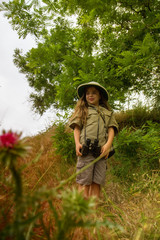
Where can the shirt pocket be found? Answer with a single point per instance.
(92, 118)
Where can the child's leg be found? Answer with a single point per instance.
(94, 190)
(84, 189)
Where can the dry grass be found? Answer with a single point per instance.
(138, 212)
(136, 117)
(46, 168)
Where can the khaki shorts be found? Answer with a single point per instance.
(95, 173)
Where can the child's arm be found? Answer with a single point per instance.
(76, 139)
(106, 148)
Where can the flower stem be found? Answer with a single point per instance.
(18, 182)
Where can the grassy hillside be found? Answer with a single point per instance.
(125, 210)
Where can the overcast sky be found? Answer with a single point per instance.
(15, 109)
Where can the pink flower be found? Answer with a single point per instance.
(8, 139)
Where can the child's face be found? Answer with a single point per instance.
(93, 96)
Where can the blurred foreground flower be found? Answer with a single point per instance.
(8, 139)
(11, 147)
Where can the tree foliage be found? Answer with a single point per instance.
(113, 42)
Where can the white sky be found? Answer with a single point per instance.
(15, 109)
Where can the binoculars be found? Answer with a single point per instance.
(93, 147)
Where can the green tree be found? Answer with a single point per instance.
(114, 42)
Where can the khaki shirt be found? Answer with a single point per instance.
(95, 113)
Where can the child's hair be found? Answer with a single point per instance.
(81, 108)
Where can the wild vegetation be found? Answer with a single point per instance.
(117, 44)
(51, 208)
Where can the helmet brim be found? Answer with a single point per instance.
(81, 89)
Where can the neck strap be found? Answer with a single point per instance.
(97, 127)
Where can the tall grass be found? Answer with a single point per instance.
(135, 206)
(137, 117)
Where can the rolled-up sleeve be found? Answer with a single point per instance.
(113, 123)
(75, 121)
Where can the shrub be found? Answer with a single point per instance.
(137, 117)
(137, 150)
(64, 143)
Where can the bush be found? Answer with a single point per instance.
(64, 143)
(137, 150)
(137, 117)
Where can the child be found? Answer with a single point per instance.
(94, 130)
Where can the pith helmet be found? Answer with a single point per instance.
(81, 89)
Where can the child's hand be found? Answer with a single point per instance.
(105, 151)
(78, 148)
(106, 148)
